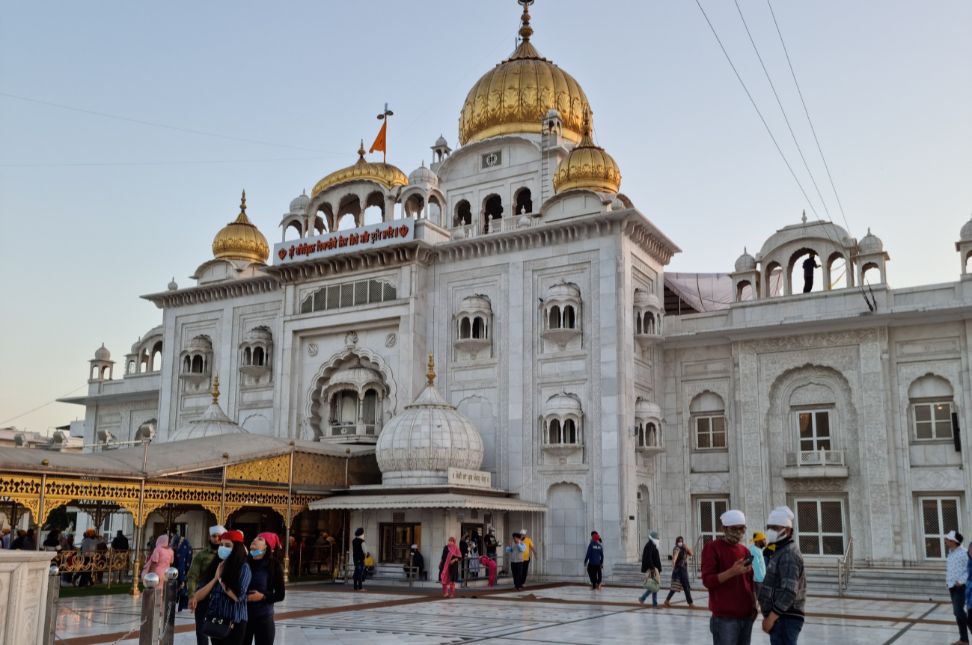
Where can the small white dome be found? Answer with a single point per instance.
(564, 291)
(258, 335)
(173, 285)
(102, 353)
(870, 243)
(563, 404)
(644, 298)
(299, 204)
(212, 422)
(966, 234)
(429, 437)
(200, 344)
(746, 262)
(422, 176)
(645, 409)
(441, 142)
(475, 303)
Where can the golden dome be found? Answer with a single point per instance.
(383, 173)
(515, 96)
(587, 166)
(241, 240)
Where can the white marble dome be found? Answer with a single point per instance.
(644, 298)
(420, 445)
(645, 409)
(213, 421)
(563, 404)
(966, 233)
(870, 243)
(102, 353)
(745, 262)
(299, 204)
(423, 176)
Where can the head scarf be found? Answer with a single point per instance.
(232, 536)
(159, 554)
(272, 540)
(452, 552)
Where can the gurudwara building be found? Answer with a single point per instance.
(576, 385)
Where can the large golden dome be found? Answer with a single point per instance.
(587, 166)
(383, 173)
(241, 240)
(515, 96)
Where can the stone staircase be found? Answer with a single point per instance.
(916, 583)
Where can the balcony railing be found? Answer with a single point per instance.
(349, 430)
(502, 225)
(811, 458)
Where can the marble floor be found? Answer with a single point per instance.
(561, 614)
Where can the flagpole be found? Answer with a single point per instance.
(384, 116)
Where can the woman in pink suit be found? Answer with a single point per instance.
(161, 558)
(490, 565)
(449, 568)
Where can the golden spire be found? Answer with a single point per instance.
(430, 374)
(586, 140)
(215, 389)
(525, 29)
(361, 151)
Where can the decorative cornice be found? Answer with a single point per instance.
(380, 258)
(214, 292)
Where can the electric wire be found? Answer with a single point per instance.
(41, 406)
(165, 126)
(806, 111)
(756, 107)
(779, 102)
(187, 162)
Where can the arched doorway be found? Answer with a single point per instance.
(256, 519)
(566, 531)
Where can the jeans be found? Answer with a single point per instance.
(730, 631)
(359, 575)
(518, 570)
(786, 630)
(958, 608)
(654, 598)
(261, 629)
(681, 575)
(594, 573)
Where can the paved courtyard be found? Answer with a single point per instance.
(561, 614)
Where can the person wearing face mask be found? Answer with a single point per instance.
(266, 588)
(727, 574)
(226, 617)
(680, 579)
(199, 574)
(784, 589)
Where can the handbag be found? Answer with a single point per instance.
(676, 584)
(651, 582)
(216, 627)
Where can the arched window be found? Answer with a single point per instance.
(156, 361)
(258, 357)
(463, 216)
(708, 421)
(744, 291)
(197, 364)
(554, 322)
(524, 203)
(247, 356)
(492, 210)
(570, 431)
(774, 280)
(555, 436)
(370, 412)
(464, 328)
(866, 270)
(435, 210)
(805, 273)
(292, 231)
(638, 327)
(346, 222)
(931, 399)
(478, 328)
(569, 322)
(187, 365)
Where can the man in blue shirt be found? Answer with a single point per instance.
(594, 560)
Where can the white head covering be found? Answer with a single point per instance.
(218, 529)
(954, 537)
(733, 518)
(522, 531)
(780, 516)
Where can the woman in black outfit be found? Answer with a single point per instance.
(680, 579)
(266, 588)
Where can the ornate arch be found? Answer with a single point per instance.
(314, 400)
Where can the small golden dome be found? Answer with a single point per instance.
(241, 240)
(587, 166)
(383, 173)
(515, 96)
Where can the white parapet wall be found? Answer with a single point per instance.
(24, 577)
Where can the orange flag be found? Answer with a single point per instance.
(379, 143)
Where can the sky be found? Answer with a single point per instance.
(127, 131)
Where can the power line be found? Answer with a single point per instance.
(807, 112)
(43, 405)
(55, 164)
(165, 126)
(755, 107)
(782, 109)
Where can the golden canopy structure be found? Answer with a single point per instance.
(514, 96)
(241, 240)
(588, 166)
(385, 174)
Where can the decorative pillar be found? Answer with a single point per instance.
(139, 538)
(41, 516)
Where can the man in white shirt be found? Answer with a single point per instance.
(956, 576)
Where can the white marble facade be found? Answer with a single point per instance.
(539, 322)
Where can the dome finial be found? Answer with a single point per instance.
(525, 29)
(243, 203)
(361, 151)
(215, 388)
(430, 374)
(804, 218)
